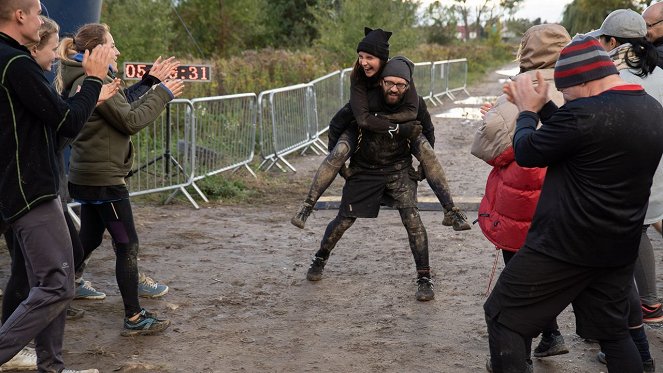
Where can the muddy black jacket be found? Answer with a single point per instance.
(344, 119)
(601, 153)
(31, 115)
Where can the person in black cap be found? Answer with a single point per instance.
(373, 52)
(379, 174)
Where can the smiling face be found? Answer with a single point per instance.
(30, 22)
(111, 43)
(369, 63)
(394, 89)
(46, 52)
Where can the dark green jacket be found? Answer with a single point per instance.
(102, 153)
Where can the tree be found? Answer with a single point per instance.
(581, 16)
(341, 23)
(136, 38)
(482, 14)
(220, 27)
(441, 23)
(289, 22)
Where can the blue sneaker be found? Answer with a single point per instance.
(148, 288)
(146, 324)
(84, 290)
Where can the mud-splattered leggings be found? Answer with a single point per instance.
(346, 145)
(413, 225)
(117, 218)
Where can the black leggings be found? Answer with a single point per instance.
(117, 218)
(17, 286)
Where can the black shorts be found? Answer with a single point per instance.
(363, 193)
(534, 288)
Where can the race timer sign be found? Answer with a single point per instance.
(188, 73)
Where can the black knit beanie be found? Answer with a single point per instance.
(375, 42)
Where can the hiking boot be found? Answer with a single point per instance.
(74, 313)
(551, 346)
(315, 271)
(652, 314)
(300, 218)
(84, 290)
(79, 371)
(148, 288)
(528, 369)
(424, 289)
(26, 359)
(648, 366)
(146, 324)
(457, 219)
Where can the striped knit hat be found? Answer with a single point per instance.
(581, 61)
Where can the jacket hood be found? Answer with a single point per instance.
(540, 46)
(70, 71)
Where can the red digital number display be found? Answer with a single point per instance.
(189, 73)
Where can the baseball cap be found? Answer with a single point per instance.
(622, 23)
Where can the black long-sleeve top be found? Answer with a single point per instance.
(32, 114)
(601, 153)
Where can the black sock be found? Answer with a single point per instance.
(640, 339)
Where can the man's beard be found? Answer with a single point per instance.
(392, 99)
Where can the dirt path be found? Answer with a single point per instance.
(239, 300)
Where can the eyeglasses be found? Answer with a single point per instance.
(388, 84)
(654, 24)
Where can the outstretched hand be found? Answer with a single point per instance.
(525, 95)
(485, 108)
(109, 90)
(96, 63)
(176, 86)
(164, 69)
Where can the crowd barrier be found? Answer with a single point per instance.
(194, 139)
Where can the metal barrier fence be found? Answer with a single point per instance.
(457, 77)
(287, 123)
(194, 139)
(423, 79)
(224, 134)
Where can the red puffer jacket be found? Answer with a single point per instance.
(507, 207)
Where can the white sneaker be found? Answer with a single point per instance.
(26, 359)
(80, 371)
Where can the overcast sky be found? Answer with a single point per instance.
(547, 10)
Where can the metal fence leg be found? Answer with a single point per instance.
(186, 194)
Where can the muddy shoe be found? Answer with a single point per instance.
(74, 313)
(146, 324)
(26, 359)
(315, 271)
(551, 346)
(457, 219)
(425, 289)
(300, 218)
(529, 367)
(648, 365)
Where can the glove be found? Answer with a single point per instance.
(410, 130)
(416, 175)
(345, 172)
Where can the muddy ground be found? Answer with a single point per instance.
(239, 300)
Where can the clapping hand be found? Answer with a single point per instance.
(525, 95)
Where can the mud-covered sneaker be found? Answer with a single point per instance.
(84, 290)
(300, 217)
(551, 346)
(148, 288)
(652, 314)
(315, 270)
(146, 324)
(80, 371)
(457, 219)
(74, 313)
(26, 359)
(424, 289)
